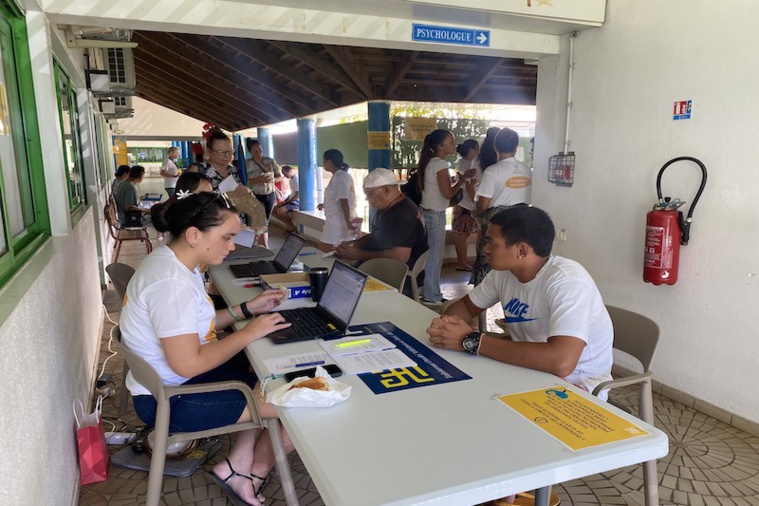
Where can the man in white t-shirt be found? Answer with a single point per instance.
(507, 182)
(554, 313)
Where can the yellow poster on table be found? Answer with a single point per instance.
(571, 418)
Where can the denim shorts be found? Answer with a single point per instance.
(194, 412)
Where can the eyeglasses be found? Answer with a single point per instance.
(225, 153)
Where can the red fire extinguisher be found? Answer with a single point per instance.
(666, 230)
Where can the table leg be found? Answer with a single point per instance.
(542, 496)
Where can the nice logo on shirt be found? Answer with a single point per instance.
(518, 311)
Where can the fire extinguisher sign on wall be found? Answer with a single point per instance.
(666, 230)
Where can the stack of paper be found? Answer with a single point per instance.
(365, 353)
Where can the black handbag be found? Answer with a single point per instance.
(457, 197)
(133, 219)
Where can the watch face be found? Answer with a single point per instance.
(471, 341)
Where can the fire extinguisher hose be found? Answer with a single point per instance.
(684, 223)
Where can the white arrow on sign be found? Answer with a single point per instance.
(482, 38)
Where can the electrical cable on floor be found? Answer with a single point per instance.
(110, 340)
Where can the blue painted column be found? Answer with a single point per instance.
(306, 162)
(378, 135)
(184, 153)
(264, 137)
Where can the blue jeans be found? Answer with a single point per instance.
(434, 221)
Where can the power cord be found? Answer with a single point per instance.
(105, 385)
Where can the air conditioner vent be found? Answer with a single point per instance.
(121, 69)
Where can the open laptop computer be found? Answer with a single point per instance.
(332, 314)
(281, 263)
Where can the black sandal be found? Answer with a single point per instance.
(222, 483)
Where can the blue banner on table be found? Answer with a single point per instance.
(431, 368)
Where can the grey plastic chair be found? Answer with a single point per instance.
(637, 336)
(120, 275)
(387, 270)
(149, 378)
(414, 273)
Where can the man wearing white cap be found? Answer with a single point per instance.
(397, 229)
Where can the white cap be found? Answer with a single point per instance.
(381, 177)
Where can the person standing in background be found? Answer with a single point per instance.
(437, 191)
(169, 170)
(464, 223)
(339, 202)
(503, 185)
(263, 173)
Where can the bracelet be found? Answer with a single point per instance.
(244, 309)
(234, 315)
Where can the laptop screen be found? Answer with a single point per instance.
(289, 251)
(342, 293)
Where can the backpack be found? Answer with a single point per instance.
(411, 188)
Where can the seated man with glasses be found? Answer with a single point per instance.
(397, 230)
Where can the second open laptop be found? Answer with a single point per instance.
(332, 314)
(281, 263)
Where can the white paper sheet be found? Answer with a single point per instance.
(350, 345)
(373, 361)
(245, 237)
(228, 184)
(281, 365)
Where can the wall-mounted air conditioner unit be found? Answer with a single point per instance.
(120, 69)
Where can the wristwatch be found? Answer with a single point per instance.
(471, 342)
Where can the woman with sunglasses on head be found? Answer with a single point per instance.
(217, 161)
(170, 322)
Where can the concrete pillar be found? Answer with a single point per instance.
(306, 162)
(378, 135)
(264, 137)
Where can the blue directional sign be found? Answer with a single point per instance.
(448, 35)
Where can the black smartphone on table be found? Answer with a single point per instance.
(332, 369)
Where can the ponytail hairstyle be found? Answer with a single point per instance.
(465, 147)
(431, 143)
(336, 157)
(187, 183)
(488, 156)
(203, 211)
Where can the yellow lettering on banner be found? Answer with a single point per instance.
(517, 182)
(378, 140)
(416, 129)
(571, 418)
(395, 378)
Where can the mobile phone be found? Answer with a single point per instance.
(332, 369)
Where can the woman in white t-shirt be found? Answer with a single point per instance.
(169, 320)
(437, 191)
(169, 170)
(464, 224)
(339, 203)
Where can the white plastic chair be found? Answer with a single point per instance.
(386, 270)
(120, 275)
(149, 378)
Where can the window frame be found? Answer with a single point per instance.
(26, 141)
(77, 199)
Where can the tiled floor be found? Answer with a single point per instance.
(710, 462)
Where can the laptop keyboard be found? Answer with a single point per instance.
(307, 321)
(257, 269)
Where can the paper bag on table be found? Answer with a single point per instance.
(308, 397)
(90, 438)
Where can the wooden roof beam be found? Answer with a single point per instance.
(344, 57)
(315, 61)
(478, 79)
(326, 94)
(407, 61)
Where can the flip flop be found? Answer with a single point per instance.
(222, 483)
